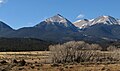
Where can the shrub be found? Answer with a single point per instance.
(112, 48)
(76, 52)
(72, 52)
(95, 47)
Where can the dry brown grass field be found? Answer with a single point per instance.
(39, 61)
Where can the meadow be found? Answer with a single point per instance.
(40, 61)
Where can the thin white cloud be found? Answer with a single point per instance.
(80, 16)
(2, 1)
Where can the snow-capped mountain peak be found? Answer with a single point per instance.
(81, 20)
(57, 22)
(57, 18)
(82, 23)
(109, 20)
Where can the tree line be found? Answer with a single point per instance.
(23, 44)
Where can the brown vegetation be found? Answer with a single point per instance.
(82, 52)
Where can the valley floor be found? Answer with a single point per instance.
(50, 67)
(39, 61)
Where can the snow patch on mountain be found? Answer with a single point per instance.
(109, 20)
(57, 18)
(83, 23)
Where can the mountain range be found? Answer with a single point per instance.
(60, 29)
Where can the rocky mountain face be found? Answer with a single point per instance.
(57, 23)
(60, 29)
(81, 23)
(104, 27)
(56, 28)
(109, 20)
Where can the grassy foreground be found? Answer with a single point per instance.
(39, 61)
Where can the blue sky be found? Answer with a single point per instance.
(22, 13)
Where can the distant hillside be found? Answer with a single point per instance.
(23, 44)
(102, 30)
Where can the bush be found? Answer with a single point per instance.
(112, 48)
(80, 51)
(72, 52)
(95, 47)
